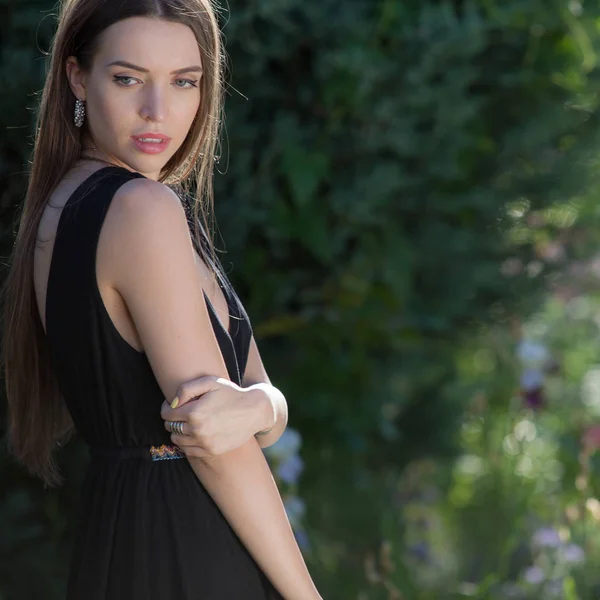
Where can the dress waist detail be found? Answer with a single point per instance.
(153, 453)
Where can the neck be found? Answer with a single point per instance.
(90, 151)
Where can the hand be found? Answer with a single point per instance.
(218, 415)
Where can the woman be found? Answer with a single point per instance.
(112, 303)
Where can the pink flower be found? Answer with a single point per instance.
(591, 438)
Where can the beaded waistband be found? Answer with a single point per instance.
(154, 453)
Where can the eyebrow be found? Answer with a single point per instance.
(128, 65)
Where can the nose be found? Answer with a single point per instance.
(154, 107)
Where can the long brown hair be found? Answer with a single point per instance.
(38, 416)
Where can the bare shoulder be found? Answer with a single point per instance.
(146, 199)
(145, 212)
(145, 223)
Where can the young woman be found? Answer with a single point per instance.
(115, 301)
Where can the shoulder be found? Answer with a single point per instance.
(146, 199)
(145, 226)
(143, 207)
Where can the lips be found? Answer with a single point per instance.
(151, 143)
(151, 136)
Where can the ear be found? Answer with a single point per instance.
(77, 78)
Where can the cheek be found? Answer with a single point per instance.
(115, 110)
(109, 113)
(185, 111)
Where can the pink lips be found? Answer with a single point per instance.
(154, 147)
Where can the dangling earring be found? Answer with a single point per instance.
(79, 112)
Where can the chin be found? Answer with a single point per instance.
(146, 164)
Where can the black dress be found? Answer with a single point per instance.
(147, 528)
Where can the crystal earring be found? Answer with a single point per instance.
(79, 112)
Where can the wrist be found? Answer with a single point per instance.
(264, 409)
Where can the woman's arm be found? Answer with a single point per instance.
(242, 485)
(219, 418)
(271, 403)
(154, 267)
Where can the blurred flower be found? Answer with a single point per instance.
(575, 7)
(534, 268)
(554, 589)
(552, 251)
(532, 353)
(511, 267)
(572, 512)
(577, 269)
(420, 551)
(533, 398)
(510, 589)
(290, 469)
(593, 505)
(532, 379)
(295, 509)
(302, 539)
(467, 588)
(571, 554)
(287, 445)
(535, 220)
(594, 266)
(534, 575)
(546, 537)
(591, 439)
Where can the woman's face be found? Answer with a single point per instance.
(144, 83)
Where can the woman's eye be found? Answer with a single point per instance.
(130, 81)
(122, 80)
(190, 82)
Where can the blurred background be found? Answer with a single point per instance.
(409, 200)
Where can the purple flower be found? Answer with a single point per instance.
(546, 537)
(420, 551)
(295, 509)
(532, 379)
(534, 575)
(572, 554)
(302, 539)
(534, 398)
(532, 353)
(287, 445)
(289, 470)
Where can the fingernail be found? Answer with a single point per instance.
(175, 402)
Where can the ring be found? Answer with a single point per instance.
(177, 427)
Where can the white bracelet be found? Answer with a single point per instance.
(265, 431)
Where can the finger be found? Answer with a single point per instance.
(192, 389)
(189, 447)
(186, 427)
(183, 441)
(171, 414)
(181, 413)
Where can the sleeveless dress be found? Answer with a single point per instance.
(147, 529)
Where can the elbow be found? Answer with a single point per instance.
(272, 438)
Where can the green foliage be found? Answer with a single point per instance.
(470, 527)
(382, 169)
(368, 188)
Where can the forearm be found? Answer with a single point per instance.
(241, 484)
(270, 407)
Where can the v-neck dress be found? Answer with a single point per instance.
(146, 527)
